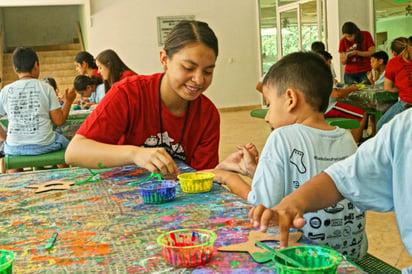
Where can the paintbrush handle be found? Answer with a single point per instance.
(287, 259)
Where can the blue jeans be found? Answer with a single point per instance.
(395, 109)
(60, 142)
(353, 78)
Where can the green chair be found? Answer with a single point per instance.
(35, 161)
(335, 121)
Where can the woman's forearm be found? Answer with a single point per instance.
(88, 153)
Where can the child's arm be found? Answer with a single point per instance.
(319, 192)
(59, 115)
(233, 181)
(343, 92)
(243, 161)
(3, 134)
(84, 152)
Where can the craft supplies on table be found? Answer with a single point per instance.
(196, 182)
(105, 226)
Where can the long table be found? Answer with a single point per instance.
(373, 99)
(106, 227)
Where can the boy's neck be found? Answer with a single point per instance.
(381, 69)
(26, 75)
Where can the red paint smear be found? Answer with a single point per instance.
(59, 261)
(137, 172)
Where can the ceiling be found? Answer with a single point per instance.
(384, 9)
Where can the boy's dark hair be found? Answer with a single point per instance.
(24, 59)
(84, 56)
(189, 31)
(381, 55)
(82, 81)
(325, 55)
(306, 72)
(317, 46)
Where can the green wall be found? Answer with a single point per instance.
(397, 27)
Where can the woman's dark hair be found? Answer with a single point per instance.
(24, 59)
(351, 28)
(115, 65)
(190, 31)
(84, 56)
(82, 81)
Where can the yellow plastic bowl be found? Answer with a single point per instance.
(196, 182)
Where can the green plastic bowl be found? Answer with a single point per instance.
(6, 262)
(317, 259)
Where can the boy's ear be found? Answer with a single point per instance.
(292, 97)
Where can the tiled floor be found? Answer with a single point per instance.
(238, 128)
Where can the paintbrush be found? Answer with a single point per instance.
(278, 254)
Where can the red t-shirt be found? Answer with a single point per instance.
(127, 73)
(355, 63)
(96, 73)
(129, 114)
(400, 73)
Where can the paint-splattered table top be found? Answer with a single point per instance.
(105, 226)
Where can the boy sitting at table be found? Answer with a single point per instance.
(337, 109)
(297, 89)
(32, 107)
(378, 62)
(91, 88)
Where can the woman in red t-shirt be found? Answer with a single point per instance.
(153, 120)
(112, 68)
(398, 78)
(355, 49)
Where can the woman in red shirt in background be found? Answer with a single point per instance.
(398, 78)
(355, 49)
(152, 120)
(112, 68)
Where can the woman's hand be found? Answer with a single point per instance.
(155, 160)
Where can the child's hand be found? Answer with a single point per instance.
(250, 159)
(285, 215)
(69, 95)
(234, 162)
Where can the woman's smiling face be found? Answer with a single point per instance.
(189, 72)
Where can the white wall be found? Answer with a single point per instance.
(130, 28)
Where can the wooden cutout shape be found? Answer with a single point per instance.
(51, 185)
(260, 255)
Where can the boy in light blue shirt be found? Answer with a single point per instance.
(378, 62)
(377, 177)
(301, 145)
(32, 108)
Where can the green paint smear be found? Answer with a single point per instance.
(234, 264)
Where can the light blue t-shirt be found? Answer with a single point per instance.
(380, 80)
(98, 94)
(27, 103)
(379, 176)
(291, 156)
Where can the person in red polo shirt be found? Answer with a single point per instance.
(355, 49)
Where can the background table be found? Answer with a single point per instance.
(374, 100)
(105, 226)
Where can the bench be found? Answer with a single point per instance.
(335, 121)
(35, 161)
